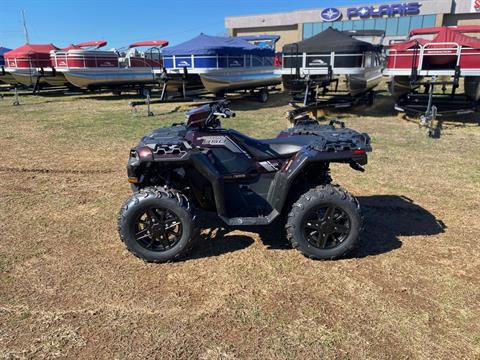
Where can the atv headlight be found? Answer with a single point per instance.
(145, 153)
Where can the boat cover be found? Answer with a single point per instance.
(444, 35)
(216, 45)
(328, 41)
(3, 51)
(31, 51)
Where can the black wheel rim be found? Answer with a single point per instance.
(326, 226)
(158, 229)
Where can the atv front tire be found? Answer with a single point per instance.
(324, 223)
(157, 225)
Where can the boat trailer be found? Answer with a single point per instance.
(433, 107)
(318, 95)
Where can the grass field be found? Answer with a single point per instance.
(69, 288)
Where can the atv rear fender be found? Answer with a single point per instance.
(310, 155)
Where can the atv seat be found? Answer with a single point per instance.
(267, 149)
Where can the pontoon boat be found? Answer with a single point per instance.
(30, 65)
(219, 64)
(93, 68)
(330, 54)
(449, 52)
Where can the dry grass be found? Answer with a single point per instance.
(68, 287)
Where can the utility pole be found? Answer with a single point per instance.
(25, 30)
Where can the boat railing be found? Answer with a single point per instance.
(325, 59)
(150, 58)
(138, 61)
(440, 49)
(218, 61)
(419, 52)
(99, 60)
(32, 63)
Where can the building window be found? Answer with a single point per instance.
(307, 30)
(394, 26)
(369, 24)
(337, 25)
(429, 20)
(317, 28)
(403, 26)
(415, 22)
(380, 24)
(348, 25)
(358, 25)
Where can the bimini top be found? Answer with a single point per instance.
(216, 45)
(436, 30)
(444, 34)
(328, 41)
(31, 51)
(91, 44)
(153, 43)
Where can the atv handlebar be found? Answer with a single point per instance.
(226, 113)
(220, 109)
(208, 114)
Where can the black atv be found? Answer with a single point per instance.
(199, 166)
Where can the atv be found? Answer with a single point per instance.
(178, 171)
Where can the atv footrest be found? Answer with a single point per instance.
(249, 221)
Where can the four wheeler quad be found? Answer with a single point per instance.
(184, 168)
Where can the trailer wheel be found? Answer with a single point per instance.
(263, 96)
(324, 223)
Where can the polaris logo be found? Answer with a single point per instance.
(365, 12)
(330, 14)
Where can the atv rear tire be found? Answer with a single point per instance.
(157, 225)
(324, 223)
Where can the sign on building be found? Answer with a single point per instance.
(475, 6)
(365, 12)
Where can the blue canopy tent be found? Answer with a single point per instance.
(3, 51)
(204, 51)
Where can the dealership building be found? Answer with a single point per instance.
(395, 18)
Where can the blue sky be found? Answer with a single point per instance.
(121, 22)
